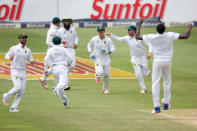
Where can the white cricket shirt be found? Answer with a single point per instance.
(162, 45)
(21, 55)
(96, 45)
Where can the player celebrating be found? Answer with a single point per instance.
(53, 31)
(69, 40)
(18, 54)
(59, 60)
(162, 45)
(99, 48)
(138, 55)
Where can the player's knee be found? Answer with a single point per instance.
(99, 73)
(106, 75)
(138, 75)
(17, 88)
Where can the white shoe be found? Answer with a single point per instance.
(14, 110)
(43, 82)
(105, 91)
(143, 91)
(5, 100)
(54, 90)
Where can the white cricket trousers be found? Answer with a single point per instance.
(61, 79)
(19, 81)
(161, 69)
(141, 71)
(71, 51)
(103, 71)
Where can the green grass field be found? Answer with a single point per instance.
(89, 110)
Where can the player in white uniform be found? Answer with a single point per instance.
(69, 40)
(53, 31)
(162, 46)
(59, 60)
(99, 48)
(18, 54)
(138, 55)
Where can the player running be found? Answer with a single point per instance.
(162, 46)
(100, 47)
(59, 60)
(18, 54)
(53, 31)
(138, 55)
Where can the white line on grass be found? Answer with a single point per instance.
(169, 116)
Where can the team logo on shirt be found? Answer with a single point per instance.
(71, 32)
(104, 42)
(25, 52)
(16, 77)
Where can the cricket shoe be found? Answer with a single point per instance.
(106, 91)
(143, 91)
(5, 100)
(166, 106)
(54, 90)
(66, 103)
(14, 110)
(156, 110)
(44, 83)
(67, 88)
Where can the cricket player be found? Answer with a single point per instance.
(162, 46)
(53, 31)
(138, 54)
(69, 40)
(59, 60)
(18, 54)
(100, 47)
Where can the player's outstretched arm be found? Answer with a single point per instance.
(187, 33)
(138, 36)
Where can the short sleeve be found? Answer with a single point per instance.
(173, 35)
(148, 38)
(30, 58)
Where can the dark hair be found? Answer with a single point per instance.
(161, 28)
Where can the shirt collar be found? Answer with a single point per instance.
(66, 30)
(161, 34)
(57, 46)
(20, 45)
(55, 27)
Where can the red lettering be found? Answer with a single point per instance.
(162, 9)
(105, 16)
(136, 5)
(156, 10)
(13, 11)
(128, 6)
(18, 14)
(96, 8)
(150, 8)
(7, 10)
(115, 11)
